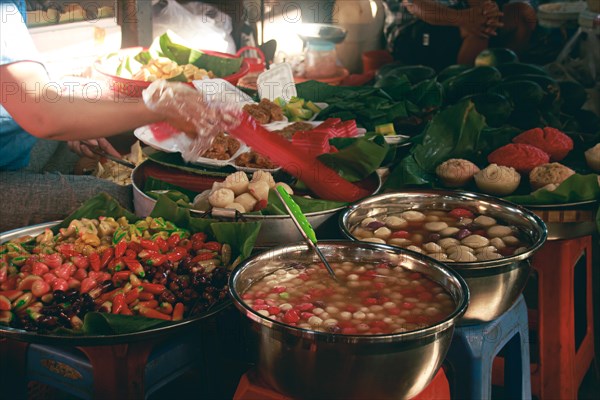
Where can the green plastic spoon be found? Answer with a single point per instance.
(303, 225)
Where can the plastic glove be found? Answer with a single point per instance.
(186, 109)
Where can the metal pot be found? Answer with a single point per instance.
(275, 230)
(309, 364)
(495, 284)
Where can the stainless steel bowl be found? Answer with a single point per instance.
(309, 364)
(275, 229)
(494, 285)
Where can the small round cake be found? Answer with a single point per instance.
(456, 172)
(545, 174)
(497, 180)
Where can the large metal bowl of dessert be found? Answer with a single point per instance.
(488, 241)
(355, 337)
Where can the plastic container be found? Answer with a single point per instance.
(556, 15)
(320, 60)
(374, 59)
(363, 20)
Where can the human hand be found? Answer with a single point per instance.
(482, 20)
(494, 16)
(187, 109)
(80, 148)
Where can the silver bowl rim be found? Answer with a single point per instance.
(457, 194)
(446, 323)
(137, 189)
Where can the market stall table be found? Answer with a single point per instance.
(561, 306)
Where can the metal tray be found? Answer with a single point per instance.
(568, 220)
(96, 340)
(275, 229)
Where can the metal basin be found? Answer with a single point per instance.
(304, 363)
(495, 284)
(275, 230)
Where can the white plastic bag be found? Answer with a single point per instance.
(201, 25)
(200, 115)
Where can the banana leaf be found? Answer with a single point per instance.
(152, 185)
(180, 198)
(453, 133)
(182, 55)
(100, 205)
(576, 188)
(357, 159)
(369, 106)
(408, 173)
(220, 66)
(95, 323)
(427, 94)
(275, 207)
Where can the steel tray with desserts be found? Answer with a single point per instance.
(98, 277)
(544, 169)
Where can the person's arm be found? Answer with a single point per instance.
(433, 12)
(44, 111)
(481, 17)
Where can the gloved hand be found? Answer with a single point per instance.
(187, 109)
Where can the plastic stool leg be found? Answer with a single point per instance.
(561, 369)
(13, 375)
(474, 348)
(475, 384)
(119, 369)
(517, 371)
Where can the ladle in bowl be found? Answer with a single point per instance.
(301, 222)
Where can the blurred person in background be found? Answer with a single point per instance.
(443, 32)
(37, 118)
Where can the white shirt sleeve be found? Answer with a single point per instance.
(16, 43)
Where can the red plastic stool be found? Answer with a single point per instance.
(250, 388)
(564, 357)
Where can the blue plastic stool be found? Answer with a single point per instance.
(70, 371)
(474, 348)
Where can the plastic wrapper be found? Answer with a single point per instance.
(202, 115)
(201, 25)
(189, 110)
